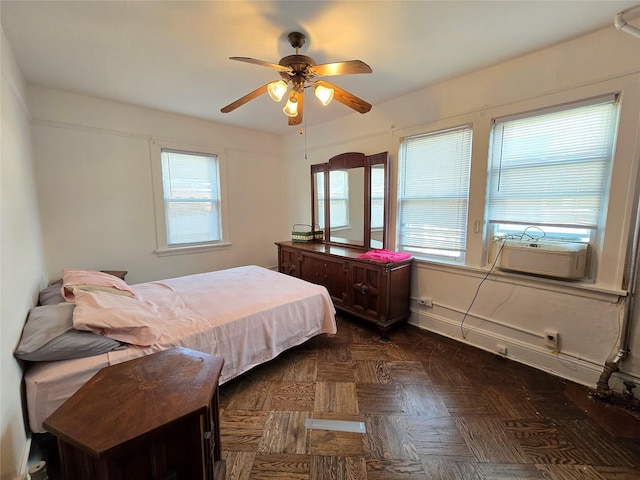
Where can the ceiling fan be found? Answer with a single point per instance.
(299, 72)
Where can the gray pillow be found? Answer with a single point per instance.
(51, 295)
(48, 335)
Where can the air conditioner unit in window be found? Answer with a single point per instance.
(560, 260)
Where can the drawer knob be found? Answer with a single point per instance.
(363, 288)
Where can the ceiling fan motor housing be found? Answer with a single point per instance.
(299, 65)
(297, 39)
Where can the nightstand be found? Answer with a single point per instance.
(151, 417)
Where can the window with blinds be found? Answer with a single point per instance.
(551, 169)
(191, 186)
(433, 193)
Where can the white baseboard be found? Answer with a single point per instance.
(24, 464)
(562, 365)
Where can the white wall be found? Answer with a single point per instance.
(510, 310)
(21, 264)
(93, 178)
(93, 170)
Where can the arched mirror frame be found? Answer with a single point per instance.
(347, 161)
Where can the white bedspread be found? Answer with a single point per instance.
(247, 315)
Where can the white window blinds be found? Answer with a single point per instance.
(552, 168)
(191, 189)
(433, 192)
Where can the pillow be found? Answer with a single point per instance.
(93, 280)
(48, 335)
(51, 295)
(116, 316)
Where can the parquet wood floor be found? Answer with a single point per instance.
(433, 409)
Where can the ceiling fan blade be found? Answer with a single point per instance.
(340, 68)
(241, 101)
(346, 98)
(297, 120)
(262, 63)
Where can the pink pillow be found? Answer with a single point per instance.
(115, 316)
(91, 280)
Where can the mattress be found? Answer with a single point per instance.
(246, 315)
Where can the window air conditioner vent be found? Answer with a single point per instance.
(560, 260)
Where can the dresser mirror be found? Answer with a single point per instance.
(378, 196)
(350, 198)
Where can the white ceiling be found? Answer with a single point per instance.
(173, 55)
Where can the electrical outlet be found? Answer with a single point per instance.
(551, 339)
(426, 301)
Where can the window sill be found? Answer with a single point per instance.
(166, 252)
(584, 288)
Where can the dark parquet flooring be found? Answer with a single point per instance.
(433, 409)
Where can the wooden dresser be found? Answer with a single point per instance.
(154, 417)
(375, 291)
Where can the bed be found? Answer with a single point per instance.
(247, 315)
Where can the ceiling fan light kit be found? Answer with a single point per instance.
(291, 108)
(298, 71)
(277, 90)
(324, 94)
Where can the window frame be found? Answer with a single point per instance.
(558, 233)
(163, 248)
(611, 272)
(444, 258)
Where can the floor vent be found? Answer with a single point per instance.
(335, 425)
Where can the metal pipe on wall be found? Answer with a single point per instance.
(623, 26)
(612, 365)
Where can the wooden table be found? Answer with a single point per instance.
(154, 417)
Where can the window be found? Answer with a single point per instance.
(433, 193)
(550, 170)
(338, 198)
(188, 196)
(191, 198)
